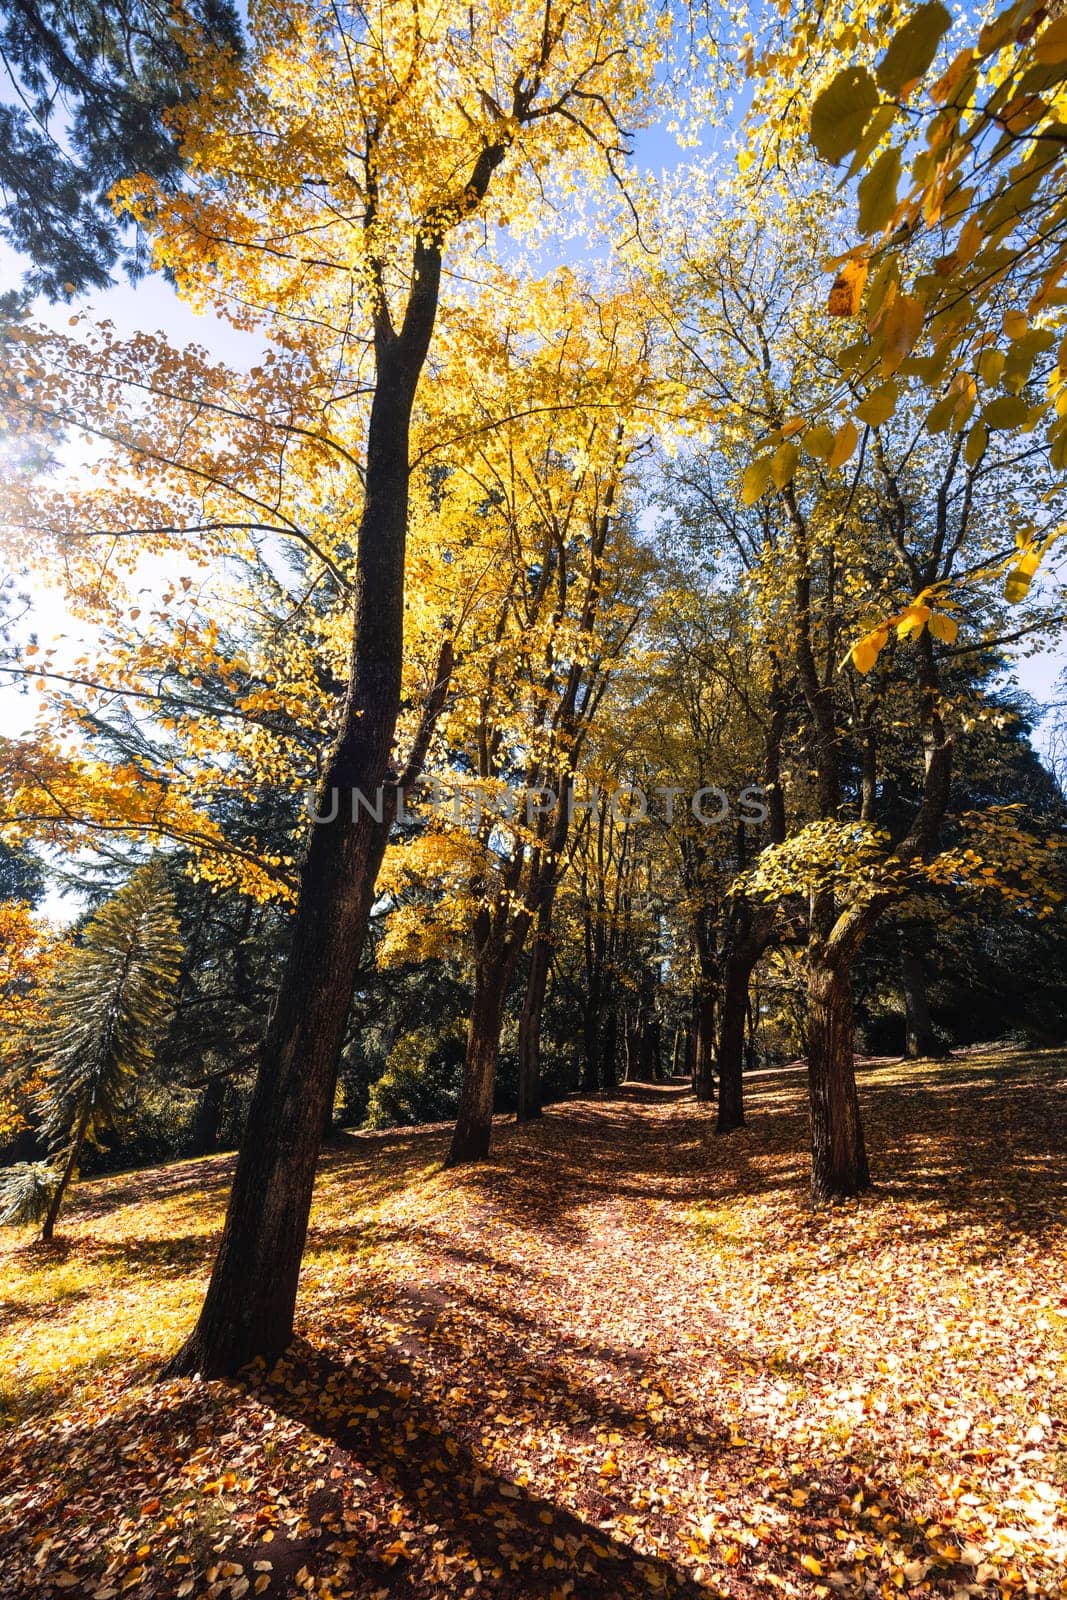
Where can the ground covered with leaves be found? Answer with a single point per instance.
(620, 1359)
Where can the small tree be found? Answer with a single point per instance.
(105, 1009)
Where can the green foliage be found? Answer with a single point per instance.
(421, 1079)
(104, 1010)
(21, 875)
(106, 1007)
(26, 1192)
(114, 70)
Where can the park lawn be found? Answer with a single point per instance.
(620, 1358)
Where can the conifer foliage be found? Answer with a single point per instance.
(109, 1001)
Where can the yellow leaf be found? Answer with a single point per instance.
(1006, 411)
(865, 651)
(845, 440)
(810, 1564)
(878, 406)
(977, 440)
(913, 620)
(878, 192)
(819, 443)
(757, 477)
(841, 113)
(847, 292)
(902, 327)
(949, 80)
(990, 366)
(1016, 324)
(912, 50)
(1051, 47)
(1018, 580)
(944, 627)
(784, 464)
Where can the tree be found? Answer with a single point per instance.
(386, 173)
(962, 207)
(541, 557)
(91, 87)
(104, 1010)
(824, 550)
(432, 115)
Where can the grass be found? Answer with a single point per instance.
(620, 1358)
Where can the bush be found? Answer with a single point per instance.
(421, 1079)
(26, 1192)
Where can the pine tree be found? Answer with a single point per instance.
(89, 90)
(106, 1007)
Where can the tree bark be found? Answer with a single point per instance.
(838, 1154)
(530, 1020)
(704, 1034)
(737, 971)
(249, 1307)
(919, 1038)
(208, 1124)
(48, 1227)
(474, 1122)
(609, 1076)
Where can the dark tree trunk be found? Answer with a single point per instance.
(207, 1128)
(704, 1034)
(608, 1046)
(641, 1051)
(593, 1045)
(530, 1021)
(919, 1038)
(48, 1227)
(250, 1302)
(838, 1155)
(737, 972)
(474, 1122)
(650, 1041)
(592, 1016)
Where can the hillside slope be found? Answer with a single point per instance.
(621, 1358)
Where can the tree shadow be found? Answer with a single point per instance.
(518, 1543)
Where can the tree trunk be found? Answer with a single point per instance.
(530, 1021)
(593, 1044)
(838, 1155)
(48, 1227)
(474, 1123)
(207, 1127)
(704, 1031)
(736, 974)
(608, 1045)
(250, 1302)
(919, 1040)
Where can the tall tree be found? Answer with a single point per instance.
(427, 117)
(104, 1011)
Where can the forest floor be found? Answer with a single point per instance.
(621, 1358)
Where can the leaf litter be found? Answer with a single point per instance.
(620, 1358)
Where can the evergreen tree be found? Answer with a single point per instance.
(90, 86)
(106, 1007)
